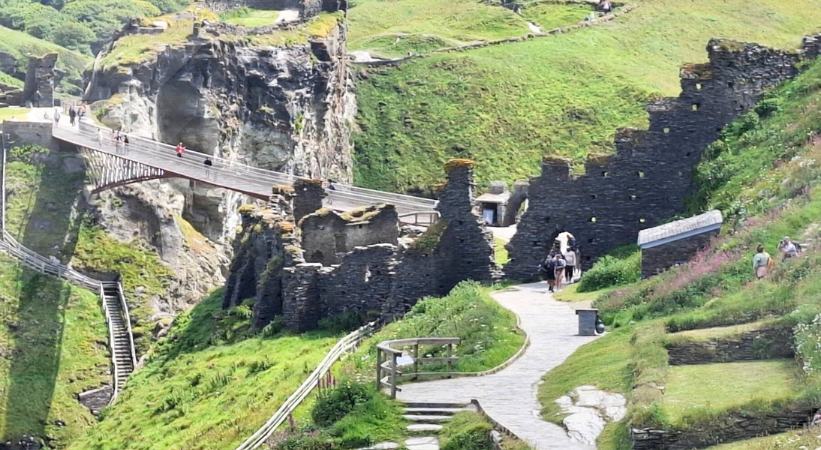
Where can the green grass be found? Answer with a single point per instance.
(142, 272)
(488, 331)
(209, 385)
(21, 45)
(251, 18)
(466, 431)
(708, 334)
(52, 347)
(571, 294)
(507, 106)
(709, 388)
(394, 28)
(13, 113)
(602, 363)
(810, 438)
(500, 251)
(8, 80)
(554, 15)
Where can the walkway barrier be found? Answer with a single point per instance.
(225, 173)
(388, 353)
(419, 218)
(118, 312)
(314, 380)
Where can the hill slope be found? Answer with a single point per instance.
(508, 105)
(21, 46)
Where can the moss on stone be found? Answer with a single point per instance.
(363, 214)
(283, 189)
(459, 162)
(247, 209)
(428, 241)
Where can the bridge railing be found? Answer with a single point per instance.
(388, 353)
(345, 345)
(87, 134)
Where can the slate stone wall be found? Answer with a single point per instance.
(39, 86)
(734, 427)
(327, 236)
(308, 195)
(647, 180)
(273, 264)
(657, 259)
(766, 343)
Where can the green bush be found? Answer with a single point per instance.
(305, 441)
(335, 404)
(808, 344)
(623, 267)
(467, 431)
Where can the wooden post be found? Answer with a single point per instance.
(393, 375)
(378, 369)
(415, 360)
(450, 361)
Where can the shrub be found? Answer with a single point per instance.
(467, 431)
(808, 344)
(337, 403)
(622, 268)
(305, 441)
(340, 323)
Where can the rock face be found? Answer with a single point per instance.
(351, 265)
(222, 92)
(589, 409)
(647, 180)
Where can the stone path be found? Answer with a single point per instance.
(509, 396)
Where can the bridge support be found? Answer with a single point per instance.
(108, 171)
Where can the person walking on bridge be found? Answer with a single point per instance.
(72, 114)
(208, 163)
(180, 149)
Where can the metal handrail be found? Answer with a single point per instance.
(392, 349)
(243, 175)
(114, 364)
(127, 318)
(345, 345)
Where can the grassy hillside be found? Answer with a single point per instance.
(506, 106)
(764, 174)
(52, 347)
(21, 45)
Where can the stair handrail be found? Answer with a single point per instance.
(342, 347)
(388, 352)
(127, 318)
(112, 345)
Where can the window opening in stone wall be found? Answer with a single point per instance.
(698, 86)
(593, 219)
(592, 196)
(604, 174)
(696, 106)
(666, 130)
(640, 174)
(633, 197)
(547, 220)
(642, 220)
(591, 240)
(367, 273)
(730, 84)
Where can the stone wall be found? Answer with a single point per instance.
(278, 266)
(646, 181)
(327, 235)
(29, 133)
(655, 260)
(39, 87)
(732, 427)
(754, 345)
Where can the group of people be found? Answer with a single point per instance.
(75, 114)
(120, 141)
(560, 266)
(763, 262)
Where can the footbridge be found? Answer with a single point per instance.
(112, 164)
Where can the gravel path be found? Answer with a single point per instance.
(509, 396)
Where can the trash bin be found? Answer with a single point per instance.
(587, 321)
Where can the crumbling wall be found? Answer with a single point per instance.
(279, 266)
(327, 235)
(647, 180)
(39, 87)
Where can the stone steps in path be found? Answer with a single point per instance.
(426, 421)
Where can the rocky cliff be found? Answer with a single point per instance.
(277, 97)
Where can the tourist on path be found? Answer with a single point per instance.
(548, 271)
(761, 262)
(788, 248)
(125, 144)
(100, 138)
(56, 116)
(570, 261)
(180, 149)
(560, 265)
(72, 115)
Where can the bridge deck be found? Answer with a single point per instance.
(228, 174)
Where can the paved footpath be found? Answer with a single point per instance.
(509, 396)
